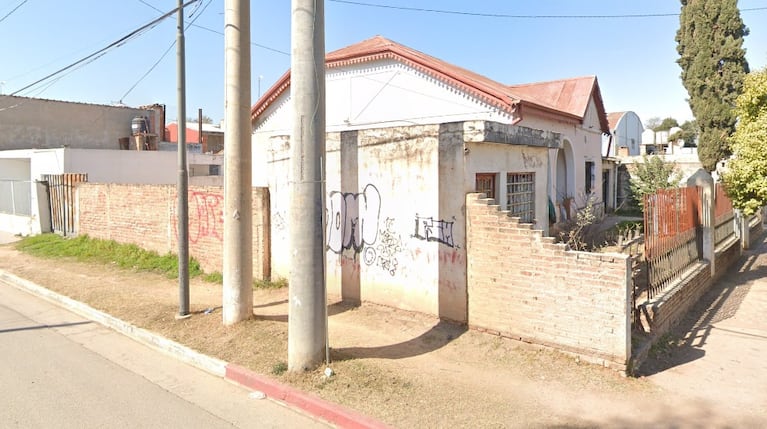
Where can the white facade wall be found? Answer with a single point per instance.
(581, 144)
(391, 236)
(374, 95)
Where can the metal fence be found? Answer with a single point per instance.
(724, 216)
(672, 218)
(16, 197)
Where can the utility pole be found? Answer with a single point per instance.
(182, 187)
(307, 317)
(238, 183)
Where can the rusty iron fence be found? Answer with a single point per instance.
(61, 194)
(672, 218)
(724, 216)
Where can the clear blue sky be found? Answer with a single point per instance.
(634, 58)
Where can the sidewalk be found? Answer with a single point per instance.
(721, 351)
(409, 370)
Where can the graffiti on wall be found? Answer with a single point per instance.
(384, 255)
(430, 229)
(531, 161)
(206, 216)
(353, 219)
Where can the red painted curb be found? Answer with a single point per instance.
(328, 411)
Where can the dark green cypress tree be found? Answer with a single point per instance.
(713, 62)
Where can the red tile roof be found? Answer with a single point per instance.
(567, 99)
(613, 118)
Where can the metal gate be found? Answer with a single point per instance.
(61, 194)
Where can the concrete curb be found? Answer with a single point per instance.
(310, 404)
(328, 411)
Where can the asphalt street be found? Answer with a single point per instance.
(60, 370)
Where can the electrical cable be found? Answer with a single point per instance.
(221, 33)
(92, 57)
(508, 16)
(12, 10)
(164, 53)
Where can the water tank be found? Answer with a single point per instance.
(139, 125)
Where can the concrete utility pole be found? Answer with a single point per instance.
(238, 182)
(307, 318)
(183, 185)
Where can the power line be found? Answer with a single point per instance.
(221, 33)
(509, 16)
(94, 56)
(164, 53)
(12, 10)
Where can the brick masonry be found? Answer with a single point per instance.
(145, 215)
(524, 286)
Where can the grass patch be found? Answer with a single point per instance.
(278, 283)
(85, 249)
(279, 368)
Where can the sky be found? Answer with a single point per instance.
(634, 58)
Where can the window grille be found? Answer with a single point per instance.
(520, 195)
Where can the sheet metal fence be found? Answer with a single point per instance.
(61, 192)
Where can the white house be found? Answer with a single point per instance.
(408, 136)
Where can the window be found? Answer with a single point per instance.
(486, 183)
(590, 178)
(520, 195)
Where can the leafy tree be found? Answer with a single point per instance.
(713, 62)
(666, 124)
(651, 174)
(746, 176)
(689, 133)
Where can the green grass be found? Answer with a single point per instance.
(129, 256)
(85, 249)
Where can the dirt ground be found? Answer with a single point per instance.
(405, 369)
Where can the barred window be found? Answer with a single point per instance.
(485, 182)
(520, 195)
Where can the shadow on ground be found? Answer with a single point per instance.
(435, 338)
(685, 342)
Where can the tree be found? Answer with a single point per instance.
(713, 62)
(652, 123)
(651, 174)
(688, 133)
(746, 176)
(205, 119)
(666, 124)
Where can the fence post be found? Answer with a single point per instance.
(703, 180)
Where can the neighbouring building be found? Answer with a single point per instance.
(625, 137)
(211, 140)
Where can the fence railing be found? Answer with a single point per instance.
(61, 190)
(671, 220)
(16, 197)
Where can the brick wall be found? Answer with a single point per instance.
(146, 215)
(524, 286)
(661, 314)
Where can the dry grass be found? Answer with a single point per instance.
(406, 369)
